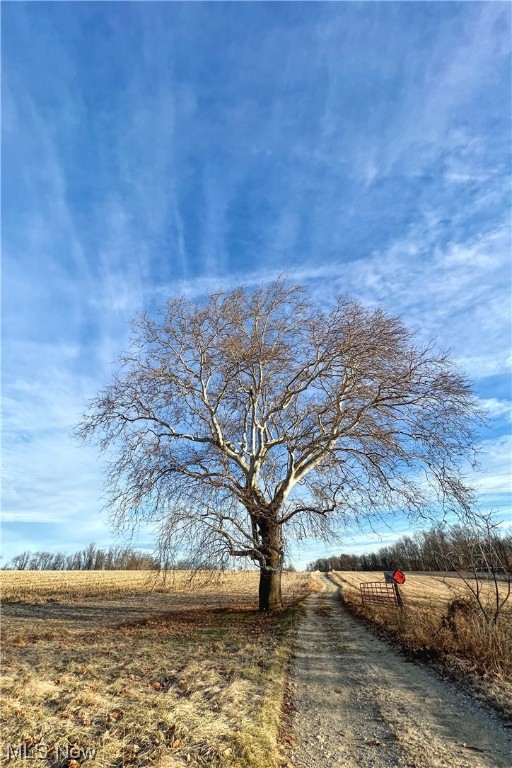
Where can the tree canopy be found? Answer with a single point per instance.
(251, 416)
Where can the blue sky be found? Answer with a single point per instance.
(154, 149)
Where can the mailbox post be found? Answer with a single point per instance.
(395, 578)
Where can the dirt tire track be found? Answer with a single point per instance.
(358, 704)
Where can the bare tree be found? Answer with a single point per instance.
(252, 415)
(478, 553)
(21, 562)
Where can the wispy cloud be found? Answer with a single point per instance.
(47, 477)
(458, 295)
(497, 409)
(494, 483)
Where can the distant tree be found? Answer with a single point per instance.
(89, 557)
(41, 561)
(234, 421)
(21, 562)
(347, 562)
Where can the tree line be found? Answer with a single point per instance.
(438, 549)
(91, 558)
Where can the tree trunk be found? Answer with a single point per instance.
(270, 597)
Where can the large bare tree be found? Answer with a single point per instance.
(239, 419)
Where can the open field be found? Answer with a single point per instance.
(188, 673)
(72, 586)
(440, 622)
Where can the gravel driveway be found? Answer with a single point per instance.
(360, 705)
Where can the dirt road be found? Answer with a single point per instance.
(360, 705)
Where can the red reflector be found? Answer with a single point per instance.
(399, 577)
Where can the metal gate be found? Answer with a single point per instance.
(380, 593)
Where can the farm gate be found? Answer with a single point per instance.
(381, 593)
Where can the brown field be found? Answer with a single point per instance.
(457, 635)
(72, 586)
(143, 670)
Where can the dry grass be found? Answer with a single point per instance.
(440, 621)
(158, 685)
